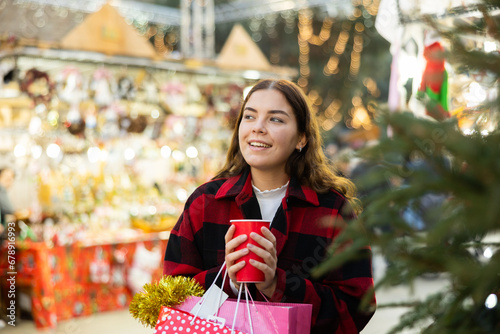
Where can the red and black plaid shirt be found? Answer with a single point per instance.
(304, 226)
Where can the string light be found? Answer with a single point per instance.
(371, 6)
(333, 108)
(305, 32)
(371, 86)
(328, 124)
(355, 63)
(359, 27)
(307, 37)
(341, 42)
(351, 30)
(356, 55)
(332, 66)
(331, 115)
(313, 96)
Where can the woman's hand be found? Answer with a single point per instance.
(267, 253)
(232, 256)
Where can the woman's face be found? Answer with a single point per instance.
(268, 132)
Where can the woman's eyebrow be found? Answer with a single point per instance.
(278, 111)
(272, 111)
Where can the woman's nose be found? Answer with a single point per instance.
(259, 126)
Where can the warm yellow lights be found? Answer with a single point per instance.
(371, 6)
(307, 37)
(314, 97)
(305, 71)
(341, 42)
(331, 66)
(332, 115)
(341, 54)
(355, 63)
(333, 108)
(356, 101)
(328, 124)
(302, 82)
(371, 85)
(361, 118)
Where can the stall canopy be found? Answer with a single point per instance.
(240, 52)
(106, 31)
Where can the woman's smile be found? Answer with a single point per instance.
(259, 145)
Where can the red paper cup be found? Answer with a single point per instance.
(249, 274)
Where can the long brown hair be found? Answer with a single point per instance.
(310, 166)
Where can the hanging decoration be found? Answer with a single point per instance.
(434, 84)
(38, 86)
(133, 124)
(126, 88)
(75, 123)
(71, 86)
(103, 87)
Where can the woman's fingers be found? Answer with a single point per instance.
(235, 268)
(231, 255)
(267, 251)
(234, 256)
(268, 234)
(232, 243)
(230, 233)
(268, 242)
(266, 255)
(268, 271)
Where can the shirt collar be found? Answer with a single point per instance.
(240, 186)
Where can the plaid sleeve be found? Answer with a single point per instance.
(185, 249)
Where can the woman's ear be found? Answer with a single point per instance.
(302, 142)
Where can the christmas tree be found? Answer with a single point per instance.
(431, 193)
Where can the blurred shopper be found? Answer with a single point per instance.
(276, 170)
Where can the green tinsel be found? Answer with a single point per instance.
(169, 291)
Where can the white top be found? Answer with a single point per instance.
(270, 200)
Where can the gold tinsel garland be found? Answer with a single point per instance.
(169, 291)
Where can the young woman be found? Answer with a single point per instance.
(275, 170)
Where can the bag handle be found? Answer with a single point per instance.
(247, 294)
(248, 308)
(220, 294)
